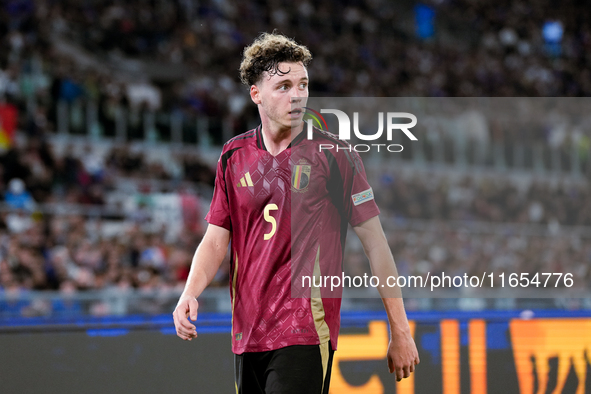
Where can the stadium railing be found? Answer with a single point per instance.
(15, 305)
(81, 118)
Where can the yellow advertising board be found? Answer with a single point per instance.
(539, 356)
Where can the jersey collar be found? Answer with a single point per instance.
(261, 141)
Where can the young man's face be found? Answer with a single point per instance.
(278, 93)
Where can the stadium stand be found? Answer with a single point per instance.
(122, 106)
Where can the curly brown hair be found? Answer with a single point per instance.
(265, 54)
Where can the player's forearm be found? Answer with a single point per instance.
(206, 261)
(383, 266)
(396, 316)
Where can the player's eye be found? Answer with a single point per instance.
(303, 85)
(283, 87)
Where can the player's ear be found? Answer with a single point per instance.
(255, 94)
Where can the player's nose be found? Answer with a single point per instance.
(296, 96)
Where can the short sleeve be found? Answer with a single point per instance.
(358, 196)
(219, 210)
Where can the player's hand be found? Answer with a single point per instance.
(402, 355)
(186, 307)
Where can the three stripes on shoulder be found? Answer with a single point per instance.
(245, 181)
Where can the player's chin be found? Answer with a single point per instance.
(296, 122)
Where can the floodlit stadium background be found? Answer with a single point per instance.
(112, 116)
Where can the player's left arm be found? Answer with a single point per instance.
(402, 351)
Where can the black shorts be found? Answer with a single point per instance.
(299, 369)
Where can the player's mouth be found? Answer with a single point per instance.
(295, 113)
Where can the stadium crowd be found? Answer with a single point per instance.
(445, 248)
(370, 54)
(84, 178)
(482, 198)
(360, 49)
(47, 251)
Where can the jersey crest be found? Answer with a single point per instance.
(300, 177)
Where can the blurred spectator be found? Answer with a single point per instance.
(17, 197)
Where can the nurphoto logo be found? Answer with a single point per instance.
(316, 118)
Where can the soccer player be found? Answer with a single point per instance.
(286, 207)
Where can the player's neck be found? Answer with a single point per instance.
(278, 139)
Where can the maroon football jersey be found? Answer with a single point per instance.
(288, 216)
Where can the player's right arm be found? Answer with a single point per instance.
(207, 259)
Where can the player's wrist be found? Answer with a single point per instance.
(188, 297)
(398, 331)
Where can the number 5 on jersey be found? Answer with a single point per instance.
(270, 219)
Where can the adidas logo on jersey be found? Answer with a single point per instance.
(245, 181)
